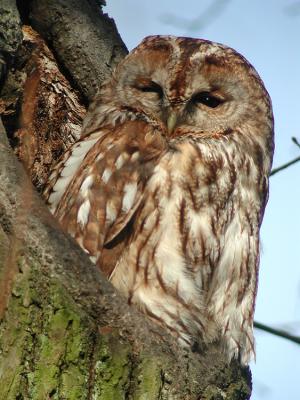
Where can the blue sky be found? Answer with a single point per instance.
(267, 33)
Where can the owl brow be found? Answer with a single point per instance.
(147, 85)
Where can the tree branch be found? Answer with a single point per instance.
(284, 166)
(200, 22)
(288, 164)
(295, 140)
(277, 332)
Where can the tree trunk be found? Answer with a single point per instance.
(64, 331)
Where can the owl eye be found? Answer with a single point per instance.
(207, 99)
(150, 87)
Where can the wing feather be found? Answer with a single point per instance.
(99, 184)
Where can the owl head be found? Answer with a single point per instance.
(190, 86)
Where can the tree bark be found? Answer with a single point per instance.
(64, 331)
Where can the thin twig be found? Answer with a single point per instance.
(295, 140)
(200, 22)
(284, 166)
(277, 332)
(288, 164)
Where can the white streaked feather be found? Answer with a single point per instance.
(62, 184)
(120, 161)
(83, 213)
(130, 190)
(135, 156)
(93, 259)
(73, 158)
(83, 147)
(71, 168)
(86, 184)
(106, 175)
(52, 175)
(111, 213)
(99, 157)
(53, 200)
(58, 190)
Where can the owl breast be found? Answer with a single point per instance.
(190, 245)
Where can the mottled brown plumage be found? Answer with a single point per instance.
(167, 186)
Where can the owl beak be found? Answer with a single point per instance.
(171, 121)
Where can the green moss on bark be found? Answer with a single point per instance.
(149, 378)
(112, 360)
(14, 337)
(61, 368)
(49, 348)
(45, 342)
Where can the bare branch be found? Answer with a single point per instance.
(277, 332)
(284, 166)
(199, 23)
(288, 164)
(295, 140)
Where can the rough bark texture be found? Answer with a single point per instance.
(51, 114)
(10, 28)
(85, 41)
(64, 332)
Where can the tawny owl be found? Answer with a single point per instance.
(167, 186)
